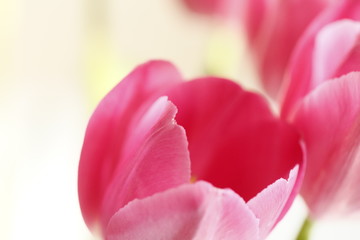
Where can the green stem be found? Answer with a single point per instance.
(305, 230)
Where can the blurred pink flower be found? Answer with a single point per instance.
(329, 120)
(323, 102)
(135, 172)
(328, 49)
(273, 28)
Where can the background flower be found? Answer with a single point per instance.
(324, 108)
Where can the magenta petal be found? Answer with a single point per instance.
(192, 211)
(234, 141)
(158, 159)
(110, 127)
(271, 204)
(329, 120)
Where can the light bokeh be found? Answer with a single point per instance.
(57, 59)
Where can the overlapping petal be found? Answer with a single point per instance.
(323, 104)
(310, 62)
(110, 127)
(329, 119)
(336, 51)
(201, 211)
(274, 28)
(271, 204)
(193, 211)
(158, 159)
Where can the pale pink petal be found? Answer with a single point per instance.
(111, 125)
(190, 212)
(302, 68)
(271, 204)
(234, 141)
(334, 44)
(329, 120)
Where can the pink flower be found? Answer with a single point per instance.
(273, 29)
(329, 120)
(328, 49)
(323, 102)
(135, 171)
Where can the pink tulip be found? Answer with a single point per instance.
(273, 29)
(323, 102)
(329, 120)
(327, 50)
(135, 172)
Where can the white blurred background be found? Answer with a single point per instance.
(57, 59)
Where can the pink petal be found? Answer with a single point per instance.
(336, 46)
(329, 120)
(274, 28)
(158, 159)
(218, 8)
(271, 204)
(204, 6)
(192, 211)
(234, 141)
(303, 75)
(110, 127)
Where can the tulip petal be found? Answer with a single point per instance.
(329, 57)
(234, 141)
(190, 212)
(271, 204)
(111, 125)
(303, 67)
(329, 120)
(159, 160)
(274, 40)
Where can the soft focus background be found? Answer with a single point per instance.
(57, 59)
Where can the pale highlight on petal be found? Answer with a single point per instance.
(334, 45)
(190, 212)
(271, 204)
(302, 67)
(329, 120)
